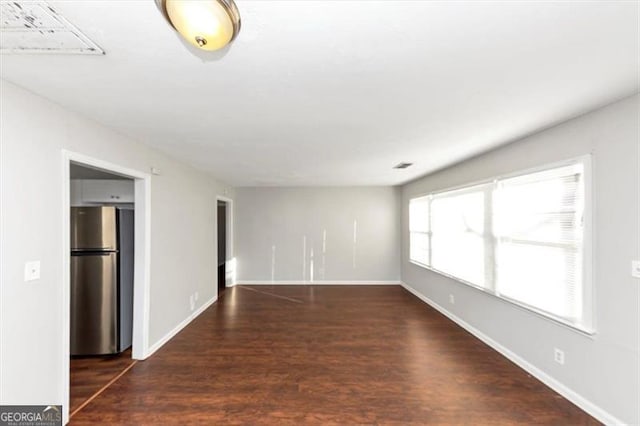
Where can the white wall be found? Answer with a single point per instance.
(33, 134)
(277, 229)
(603, 369)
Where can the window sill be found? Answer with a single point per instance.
(584, 331)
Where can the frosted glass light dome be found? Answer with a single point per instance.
(206, 24)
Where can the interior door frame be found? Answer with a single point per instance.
(230, 262)
(142, 251)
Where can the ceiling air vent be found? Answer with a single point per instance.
(402, 165)
(34, 27)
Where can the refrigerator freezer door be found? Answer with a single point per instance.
(93, 228)
(94, 304)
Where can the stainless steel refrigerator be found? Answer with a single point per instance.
(101, 280)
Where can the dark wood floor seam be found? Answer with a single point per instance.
(290, 299)
(102, 389)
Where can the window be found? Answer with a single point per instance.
(521, 238)
(458, 234)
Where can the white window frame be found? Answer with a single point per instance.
(587, 326)
(428, 233)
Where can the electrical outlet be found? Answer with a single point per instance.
(635, 268)
(558, 356)
(452, 299)
(192, 302)
(32, 270)
(196, 296)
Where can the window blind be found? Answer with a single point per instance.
(520, 238)
(538, 227)
(458, 235)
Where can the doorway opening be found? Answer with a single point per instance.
(105, 275)
(225, 260)
(222, 246)
(102, 263)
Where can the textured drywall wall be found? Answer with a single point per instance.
(318, 234)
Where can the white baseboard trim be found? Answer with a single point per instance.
(153, 348)
(545, 378)
(320, 282)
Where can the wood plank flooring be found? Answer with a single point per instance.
(327, 355)
(89, 374)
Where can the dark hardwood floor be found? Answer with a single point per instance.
(89, 374)
(327, 355)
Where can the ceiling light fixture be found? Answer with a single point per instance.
(207, 24)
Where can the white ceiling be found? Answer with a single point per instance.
(338, 92)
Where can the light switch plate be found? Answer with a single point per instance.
(32, 270)
(635, 268)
